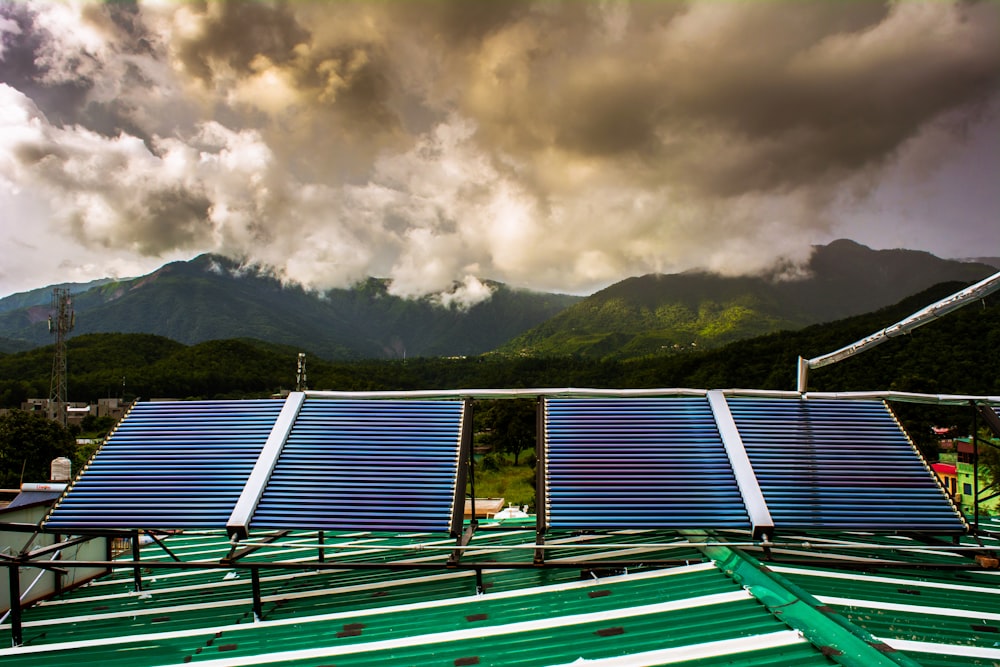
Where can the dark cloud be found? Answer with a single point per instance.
(20, 68)
(560, 144)
(463, 23)
(29, 66)
(795, 93)
(162, 221)
(29, 154)
(233, 34)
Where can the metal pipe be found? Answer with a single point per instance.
(975, 467)
(136, 569)
(471, 548)
(947, 399)
(515, 565)
(902, 397)
(904, 326)
(503, 393)
(258, 609)
(14, 579)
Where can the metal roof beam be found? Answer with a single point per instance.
(746, 479)
(991, 418)
(463, 473)
(239, 521)
(565, 392)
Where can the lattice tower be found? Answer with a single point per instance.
(300, 374)
(61, 322)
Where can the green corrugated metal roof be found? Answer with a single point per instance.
(696, 611)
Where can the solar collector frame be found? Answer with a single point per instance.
(378, 465)
(840, 465)
(801, 464)
(651, 462)
(168, 465)
(343, 463)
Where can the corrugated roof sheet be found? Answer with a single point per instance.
(526, 616)
(695, 611)
(604, 597)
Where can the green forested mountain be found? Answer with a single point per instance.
(955, 354)
(43, 295)
(213, 298)
(663, 314)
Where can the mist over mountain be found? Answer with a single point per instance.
(989, 261)
(210, 298)
(658, 314)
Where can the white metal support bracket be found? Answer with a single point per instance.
(746, 479)
(239, 521)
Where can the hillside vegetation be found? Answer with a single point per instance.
(668, 314)
(210, 298)
(955, 354)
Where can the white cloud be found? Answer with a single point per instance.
(466, 294)
(561, 146)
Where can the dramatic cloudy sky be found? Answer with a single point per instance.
(555, 145)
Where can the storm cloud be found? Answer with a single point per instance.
(559, 145)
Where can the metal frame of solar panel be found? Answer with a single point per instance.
(168, 465)
(367, 465)
(840, 465)
(317, 462)
(655, 462)
(991, 416)
(734, 462)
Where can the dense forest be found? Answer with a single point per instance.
(955, 354)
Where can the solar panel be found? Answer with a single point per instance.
(637, 463)
(322, 463)
(169, 465)
(827, 464)
(367, 465)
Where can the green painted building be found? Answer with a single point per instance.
(966, 479)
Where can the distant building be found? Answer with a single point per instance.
(966, 478)
(36, 405)
(944, 436)
(111, 407)
(75, 412)
(948, 476)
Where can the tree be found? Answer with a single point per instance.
(510, 425)
(28, 443)
(97, 425)
(989, 461)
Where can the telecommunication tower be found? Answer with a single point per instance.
(61, 322)
(300, 375)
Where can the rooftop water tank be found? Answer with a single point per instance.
(61, 469)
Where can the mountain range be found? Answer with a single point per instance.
(654, 314)
(211, 298)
